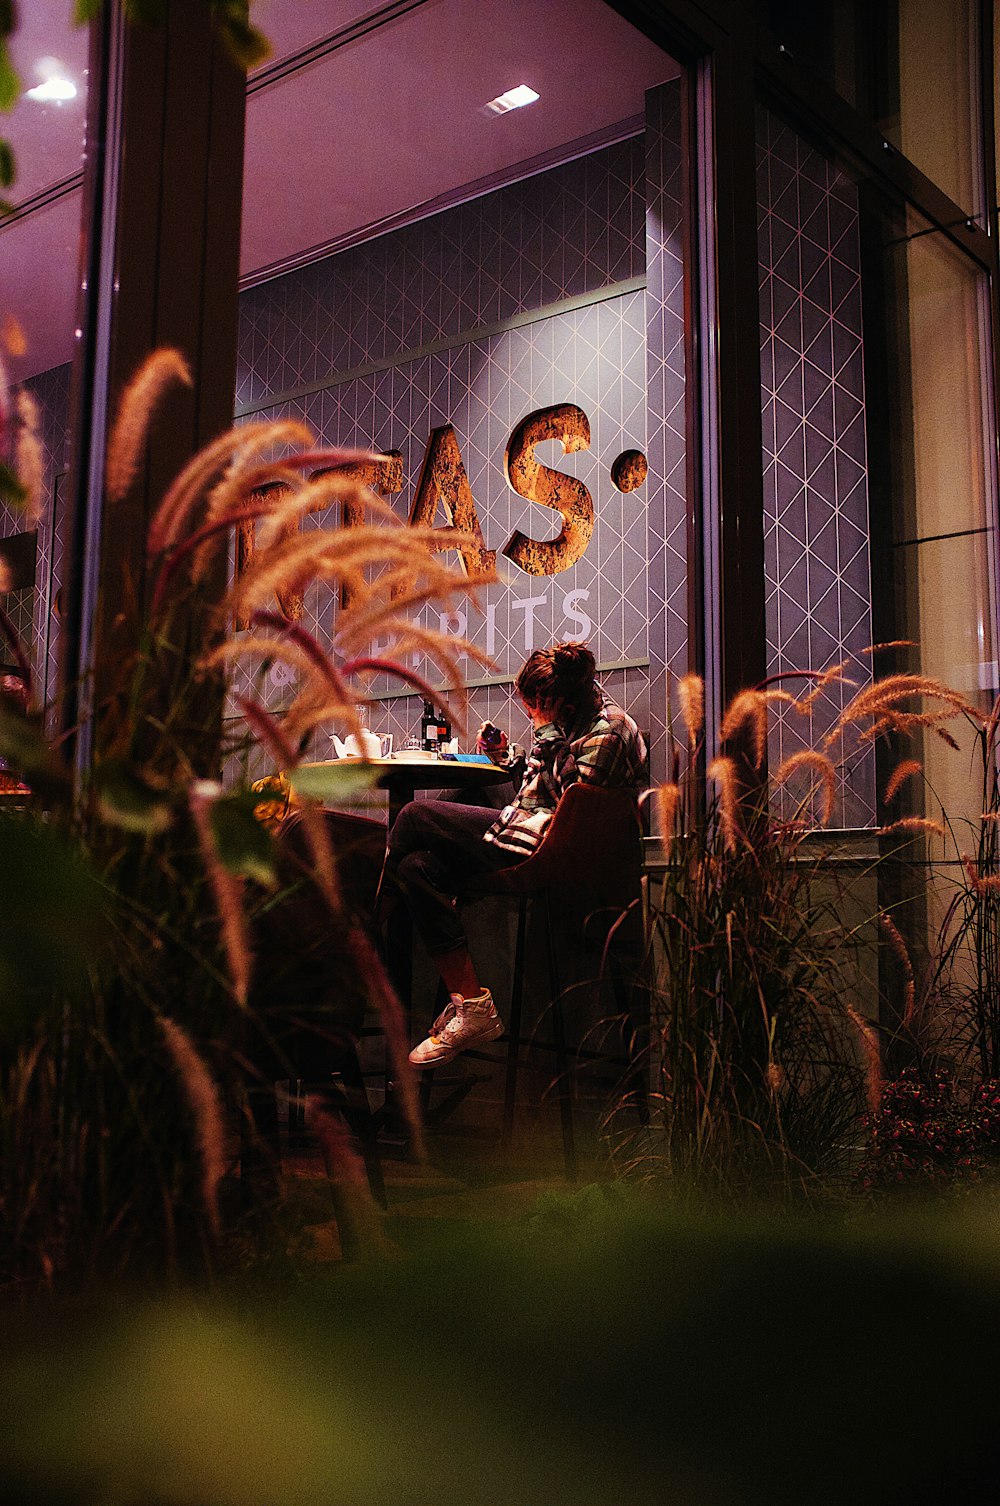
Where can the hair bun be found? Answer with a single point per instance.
(573, 661)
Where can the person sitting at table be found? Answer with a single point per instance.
(437, 850)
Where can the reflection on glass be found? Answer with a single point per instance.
(909, 66)
(39, 295)
(417, 268)
(944, 526)
(932, 53)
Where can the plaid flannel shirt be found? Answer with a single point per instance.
(608, 750)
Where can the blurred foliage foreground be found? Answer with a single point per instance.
(596, 1352)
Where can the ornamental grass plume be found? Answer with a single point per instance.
(723, 772)
(28, 461)
(668, 799)
(888, 694)
(142, 396)
(691, 698)
(901, 951)
(907, 768)
(206, 1110)
(982, 883)
(226, 887)
(918, 825)
(748, 708)
(821, 766)
(188, 491)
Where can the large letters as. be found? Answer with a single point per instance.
(443, 478)
(539, 483)
(383, 474)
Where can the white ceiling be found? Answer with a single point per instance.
(384, 122)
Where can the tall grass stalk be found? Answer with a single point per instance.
(765, 1043)
(116, 1066)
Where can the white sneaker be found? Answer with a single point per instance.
(463, 1023)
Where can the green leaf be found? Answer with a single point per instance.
(8, 17)
(6, 207)
(10, 84)
(8, 166)
(11, 490)
(85, 11)
(244, 846)
(125, 799)
(333, 782)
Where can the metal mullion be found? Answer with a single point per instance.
(991, 319)
(724, 410)
(683, 28)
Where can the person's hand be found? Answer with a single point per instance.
(491, 740)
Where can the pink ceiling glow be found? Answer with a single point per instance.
(386, 120)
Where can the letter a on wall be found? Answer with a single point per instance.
(443, 476)
(539, 483)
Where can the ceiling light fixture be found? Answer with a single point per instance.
(514, 99)
(56, 85)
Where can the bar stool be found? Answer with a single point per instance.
(591, 852)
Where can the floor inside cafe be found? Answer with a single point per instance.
(468, 1177)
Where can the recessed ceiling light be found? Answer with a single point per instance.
(56, 84)
(514, 99)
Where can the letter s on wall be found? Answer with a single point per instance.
(539, 483)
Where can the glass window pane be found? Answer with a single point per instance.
(412, 263)
(909, 66)
(39, 279)
(933, 62)
(943, 519)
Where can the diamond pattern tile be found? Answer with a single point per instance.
(665, 397)
(816, 562)
(531, 244)
(572, 230)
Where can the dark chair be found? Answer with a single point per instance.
(591, 855)
(308, 1001)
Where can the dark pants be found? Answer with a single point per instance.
(435, 856)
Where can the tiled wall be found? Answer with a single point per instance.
(561, 234)
(816, 559)
(666, 487)
(399, 337)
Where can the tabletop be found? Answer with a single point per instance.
(401, 775)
